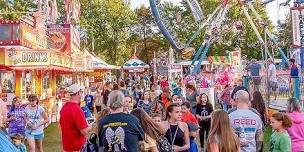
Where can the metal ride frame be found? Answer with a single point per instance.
(213, 29)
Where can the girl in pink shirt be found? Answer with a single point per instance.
(296, 131)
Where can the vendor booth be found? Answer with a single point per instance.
(100, 70)
(135, 65)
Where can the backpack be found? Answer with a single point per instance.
(163, 145)
(91, 144)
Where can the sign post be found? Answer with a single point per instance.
(297, 16)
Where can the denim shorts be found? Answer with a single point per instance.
(36, 137)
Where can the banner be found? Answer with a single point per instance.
(60, 36)
(219, 59)
(2, 56)
(75, 40)
(196, 10)
(33, 39)
(297, 18)
(15, 57)
(61, 60)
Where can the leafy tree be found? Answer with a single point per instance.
(107, 23)
(15, 9)
(145, 35)
(284, 34)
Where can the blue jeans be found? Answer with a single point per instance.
(225, 106)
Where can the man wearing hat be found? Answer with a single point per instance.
(73, 124)
(254, 69)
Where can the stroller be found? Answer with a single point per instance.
(6, 144)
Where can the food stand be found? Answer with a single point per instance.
(100, 68)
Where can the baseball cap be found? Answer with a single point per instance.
(74, 88)
(193, 127)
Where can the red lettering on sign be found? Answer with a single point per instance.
(244, 121)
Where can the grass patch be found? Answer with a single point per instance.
(52, 140)
(267, 134)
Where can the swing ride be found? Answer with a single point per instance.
(213, 26)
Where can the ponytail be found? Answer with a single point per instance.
(286, 120)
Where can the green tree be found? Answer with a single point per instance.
(284, 34)
(145, 35)
(108, 23)
(15, 9)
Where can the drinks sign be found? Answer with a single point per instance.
(26, 58)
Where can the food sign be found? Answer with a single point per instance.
(60, 36)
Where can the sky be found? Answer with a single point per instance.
(272, 10)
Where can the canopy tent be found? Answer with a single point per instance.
(99, 64)
(134, 64)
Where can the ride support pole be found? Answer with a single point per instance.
(296, 87)
(246, 82)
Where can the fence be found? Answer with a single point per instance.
(285, 88)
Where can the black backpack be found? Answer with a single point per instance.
(163, 145)
(91, 144)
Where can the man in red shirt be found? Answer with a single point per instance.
(74, 126)
(187, 116)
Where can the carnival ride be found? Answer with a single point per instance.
(213, 26)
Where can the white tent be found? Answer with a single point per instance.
(134, 64)
(100, 64)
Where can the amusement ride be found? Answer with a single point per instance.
(214, 26)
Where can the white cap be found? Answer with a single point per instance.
(74, 88)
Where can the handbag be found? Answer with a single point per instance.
(30, 127)
(163, 145)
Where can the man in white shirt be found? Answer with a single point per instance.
(272, 78)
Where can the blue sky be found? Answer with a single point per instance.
(272, 10)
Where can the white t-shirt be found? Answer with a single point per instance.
(35, 116)
(246, 125)
(272, 73)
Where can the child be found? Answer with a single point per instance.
(187, 116)
(129, 104)
(17, 141)
(87, 113)
(89, 100)
(194, 133)
(280, 140)
(156, 118)
(145, 103)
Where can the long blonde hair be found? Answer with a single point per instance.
(221, 132)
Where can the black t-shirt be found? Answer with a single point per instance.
(120, 132)
(204, 110)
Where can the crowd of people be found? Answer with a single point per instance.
(24, 122)
(164, 118)
(152, 115)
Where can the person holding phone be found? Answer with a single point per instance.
(36, 118)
